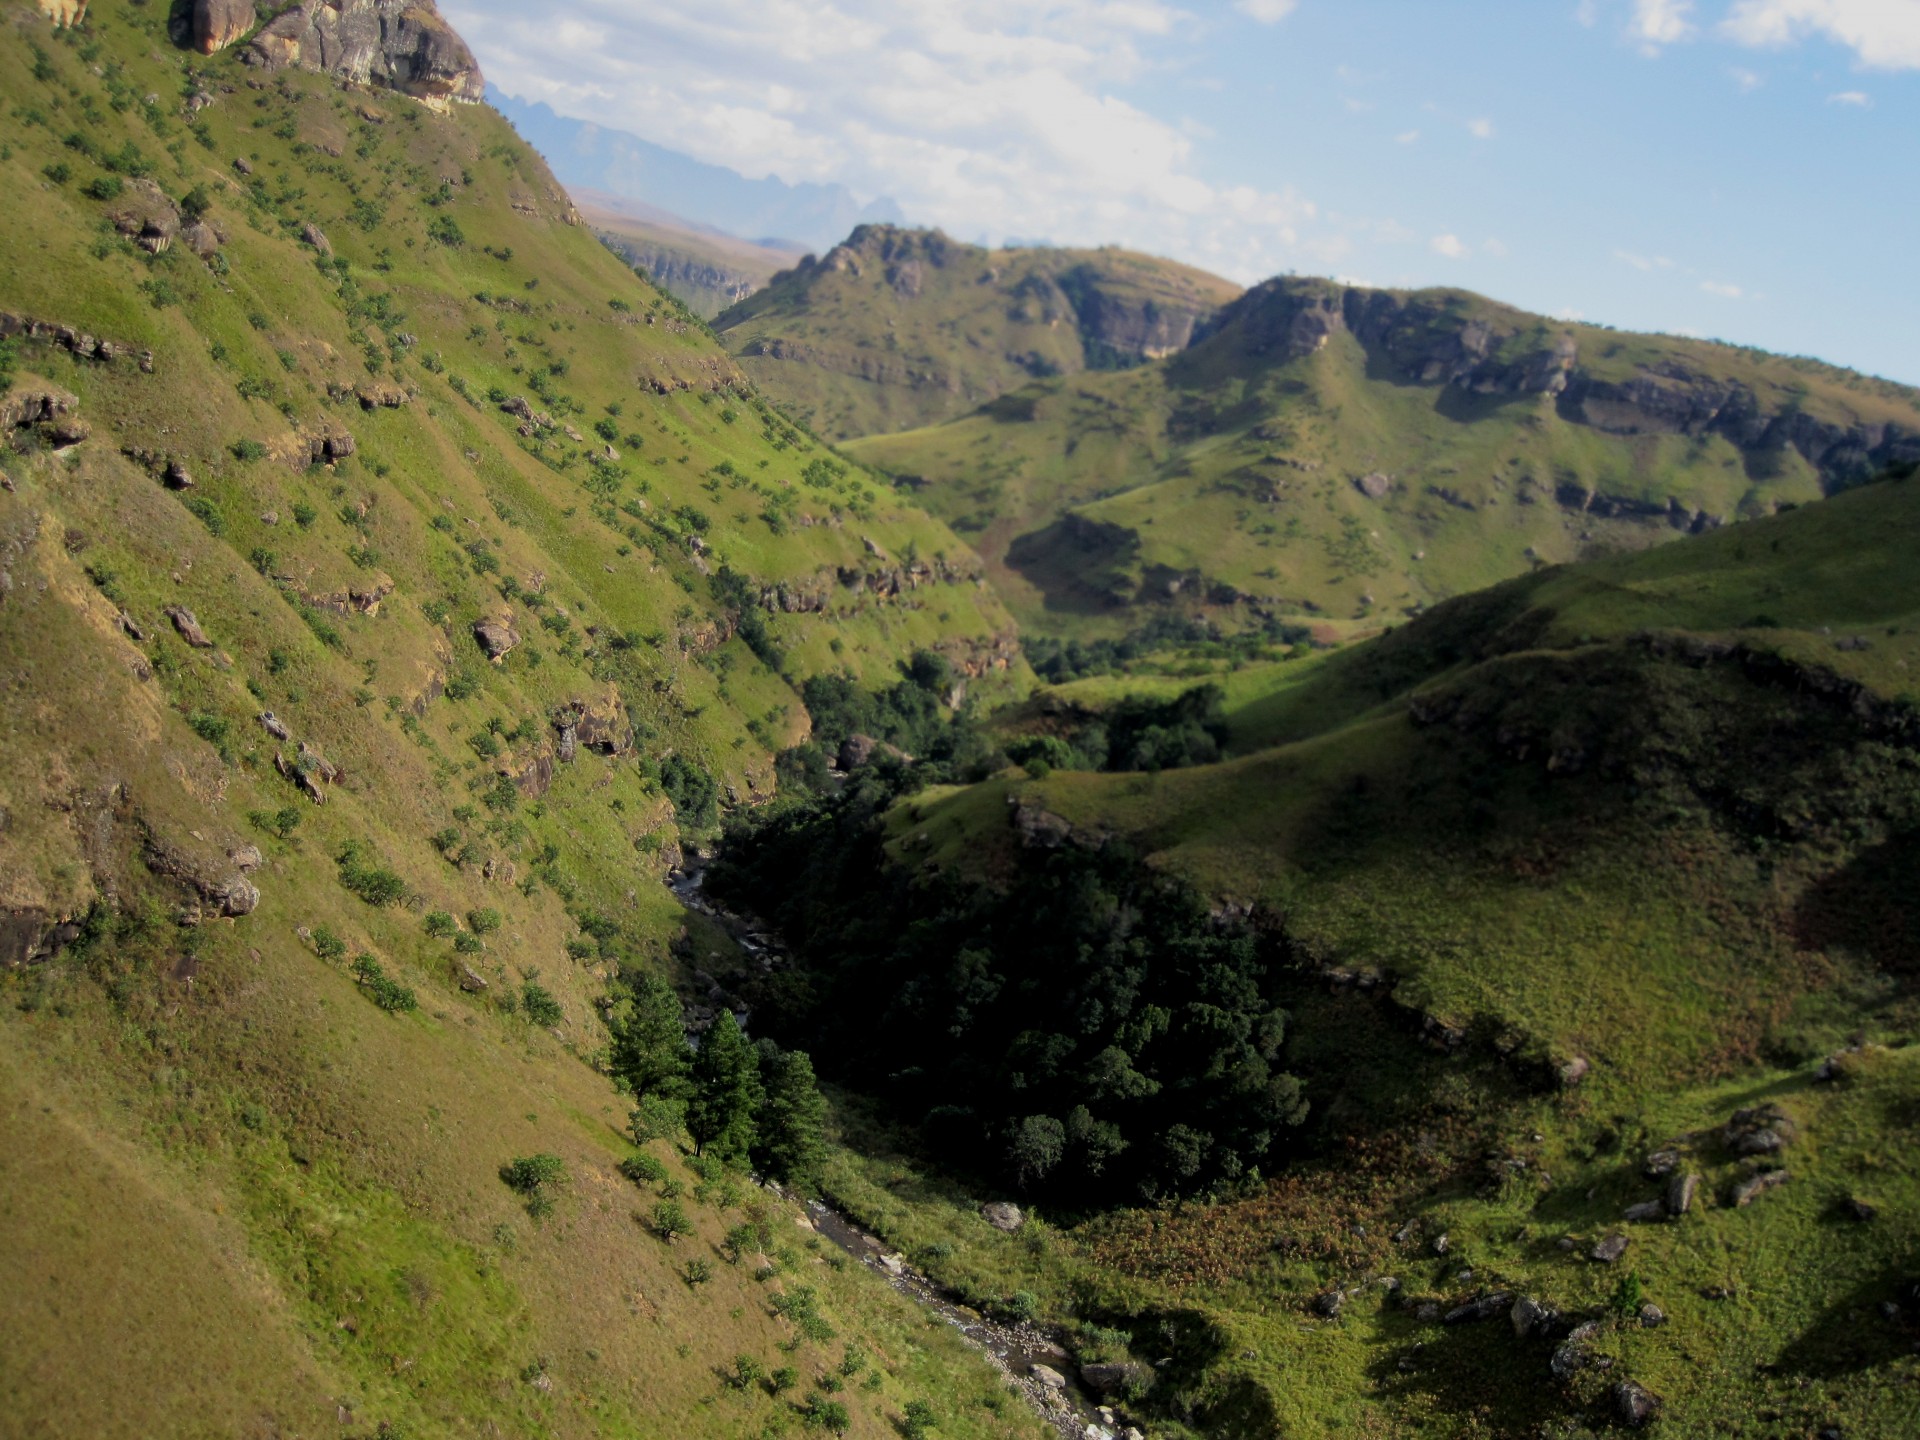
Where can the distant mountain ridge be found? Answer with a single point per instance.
(585, 155)
(1346, 456)
(897, 328)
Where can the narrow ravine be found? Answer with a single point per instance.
(1037, 1368)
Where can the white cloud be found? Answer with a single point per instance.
(1721, 289)
(1406, 137)
(1001, 113)
(1450, 246)
(1267, 12)
(1496, 248)
(1587, 13)
(1643, 262)
(1480, 129)
(1567, 312)
(1883, 34)
(1850, 97)
(1747, 80)
(1660, 22)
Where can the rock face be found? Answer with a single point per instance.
(218, 23)
(64, 12)
(404, 45)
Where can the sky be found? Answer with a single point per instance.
(1746, 170)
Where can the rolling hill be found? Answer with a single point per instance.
(1337, 457)
(895, 328)
(1567, 890)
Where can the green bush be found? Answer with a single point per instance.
(668, 1220)
(466, 943)
(643, 1169)
(328, 945)
(372, 882)
(385, 992)
(697, 1272)
(445, 231)
(440, 924)
(528, 1173)
(483, 922)
(820, 1413)
(542, 1009)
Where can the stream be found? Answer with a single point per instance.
(1036, 1367)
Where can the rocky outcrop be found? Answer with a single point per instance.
(497, 637)
(218, 23)
(403, 45)
(42, 407)
(64, 13)
(70, 338)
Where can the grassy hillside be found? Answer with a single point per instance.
(704, 269)
(1343, 458)
(310, 911)
(1557, 878)
(902, 328)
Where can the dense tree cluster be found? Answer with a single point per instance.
(1135, 733)
(738, 1100)
(1088, 1032)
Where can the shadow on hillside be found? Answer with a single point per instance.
(1857, 1333)
(1076, 563)
(1871, 907)
(1479, 1370)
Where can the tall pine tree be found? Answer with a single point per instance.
(649, 1040)
(790, 1145)
(726, 1091)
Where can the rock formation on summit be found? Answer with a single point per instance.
(404, 45)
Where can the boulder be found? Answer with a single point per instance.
(497, 637)
(1572, 1354)
(1652, 1317)
(1680, 1192)
(218, 23)
(1645, 1212)
(1660, 1163)
(1049, 1377)
(316, 237)
(1003, 1215)
(247, 857)
(1483, 1307)
(1610, 1248)
(242, 165)
(1759, 1130)
(1745, 1192)
(1328, 1304)
(1374, 485)
(470, 981)
(1574, 1071)
(1530, 1318)
(235, 895)
(189, 628)
(1634, 1404)
(274, 725)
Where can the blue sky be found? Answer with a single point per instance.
(1744, 169)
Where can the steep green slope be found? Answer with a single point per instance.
(1558, 878)
(310, 915)
(1343, 457)
(901, 328)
